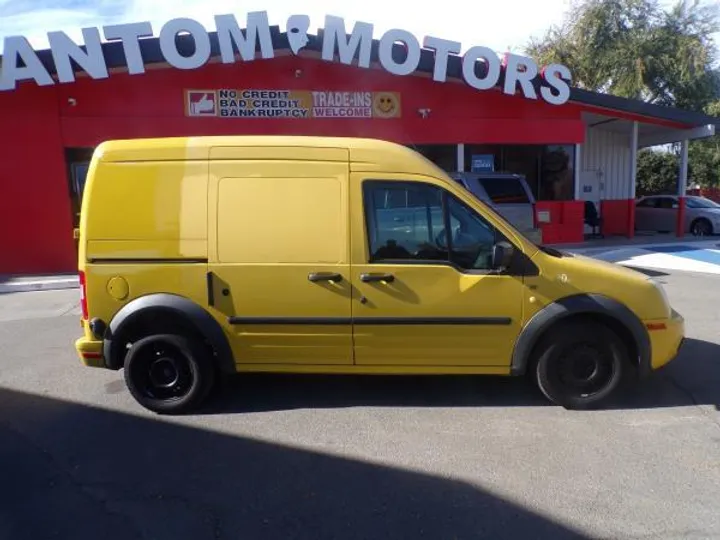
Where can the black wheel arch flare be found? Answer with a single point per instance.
(163, 304)
(581, 304)
(190, 312)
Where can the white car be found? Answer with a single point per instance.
(659, 213)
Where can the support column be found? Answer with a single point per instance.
(682, 180)
(577, 166)
(633, 180)
(461, 157)
(682, 189)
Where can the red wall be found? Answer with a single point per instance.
(36, 221)
(35, 214)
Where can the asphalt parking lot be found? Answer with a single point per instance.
(343, 458)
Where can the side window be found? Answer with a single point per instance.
(419, 233)
(647, 203)
(404, 231)
(471, 239)
(667, 203)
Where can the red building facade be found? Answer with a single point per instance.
(50, 131)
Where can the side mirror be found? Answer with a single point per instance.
(502, 255)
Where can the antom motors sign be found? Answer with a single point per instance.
(300, 104)
(21, 62)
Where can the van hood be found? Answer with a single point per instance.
(578, 274)
(599, 273)
(606, 266)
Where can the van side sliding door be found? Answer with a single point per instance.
(279, 254)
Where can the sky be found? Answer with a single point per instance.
(505, 25)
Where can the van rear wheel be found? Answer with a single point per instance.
(580, 364)
(168, 373)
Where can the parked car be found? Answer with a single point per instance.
(506, 193)
(659, 213)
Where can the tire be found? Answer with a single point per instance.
(701, 227)
(169, 373)
(587, 349)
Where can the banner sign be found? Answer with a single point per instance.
(482, 163)
(259, 103)
(353, 47)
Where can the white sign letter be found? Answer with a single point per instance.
(168, 46)
(557, 76)
(257, 29)
(297, 32)
(524, 75)
(492, 63)
(64, 49)
(129, 34)
(442, 48)
(385, 50)
(17, 48)
(335, 36)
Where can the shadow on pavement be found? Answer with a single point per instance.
(255, 392)
(73, 471)
(693, 378)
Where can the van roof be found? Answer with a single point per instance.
(363, 154)
(152, 149)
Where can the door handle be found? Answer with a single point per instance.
(324, 276)
(369, 278)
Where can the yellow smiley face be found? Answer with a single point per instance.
(385, 105)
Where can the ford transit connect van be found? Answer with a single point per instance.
(208, 256)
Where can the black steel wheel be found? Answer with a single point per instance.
(580, 364)
(168, 373)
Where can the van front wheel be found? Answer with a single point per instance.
(580, 364)
(168, 373)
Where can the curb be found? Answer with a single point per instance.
(28, 285)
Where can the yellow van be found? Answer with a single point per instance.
(206, 256)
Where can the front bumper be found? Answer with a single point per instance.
(666, 339)
(90, 352)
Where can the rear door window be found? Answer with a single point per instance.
(647, 203)
(505, 190)
(666, 203)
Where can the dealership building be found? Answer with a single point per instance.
(584, 148)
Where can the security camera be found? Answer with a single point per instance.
(72, 102)
(424, 113)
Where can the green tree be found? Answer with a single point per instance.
(657, 172)
(704, 156)
(635, 49)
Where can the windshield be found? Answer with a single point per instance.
(700, 202)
